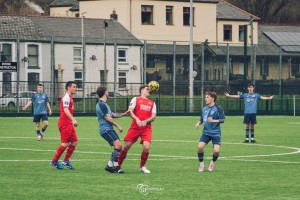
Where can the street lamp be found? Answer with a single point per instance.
(105, 63)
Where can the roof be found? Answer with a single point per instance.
(64, 29)
(227, 11)
(63, 3)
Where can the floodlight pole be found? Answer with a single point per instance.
(83, 62)
(191, 69)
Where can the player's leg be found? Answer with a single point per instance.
(215, 154)
(64, 135)
(36, 120)
(115, 156)
(201, 145)
(130, 138)
(253, 121)
(145, 156)
(71, 147)
(45, 125)
(247, 122)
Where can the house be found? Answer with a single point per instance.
(52, 49)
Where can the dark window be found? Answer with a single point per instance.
(186, 16)
(227, 32)
(295, 65)
(150, 62)
(33, 56)
(78, 78)
(264, 67)
(169, 64)
(169, 15)
(122, 80)
(147, 14)
(6, 53)
(122, 56)
(6, 77)
(241, 33)
(33, 80)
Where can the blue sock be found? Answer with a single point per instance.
(247, 134)
(200, 156)
(38, 132)
(252, 134)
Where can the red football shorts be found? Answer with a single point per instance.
(134, 133)
(67, 133)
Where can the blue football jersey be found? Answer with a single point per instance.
(250, 102)
(39, 103)
(215, 112)
(102, 109)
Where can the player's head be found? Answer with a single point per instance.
(101, 91)
(71, 87)
(39, 88)
(250, 88)
(210, 96)
(145, 90)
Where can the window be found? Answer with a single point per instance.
(78, 79)
(147, 14)
(295, 66)
(150, 62)
(33, 80)
(241, 33)
(186, 16)
(77, 54)
(264, 67)
(122, 80)
(227, 32)
(169, 64)
(122, 56)
(6, 53)
(169, 15)
(33, 56)
(6, 87)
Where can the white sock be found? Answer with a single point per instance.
(202, 163)
(110, 164)
(116, 164)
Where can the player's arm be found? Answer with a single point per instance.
(266, 98)
(49, 108)
(27, 105)
(70, 116)
(200, 120)
(119, 115)
(220, 114)
(232, 96)
(151, 119)
(110, 120)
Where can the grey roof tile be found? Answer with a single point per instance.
(59, 3)
(227, 11)
(64, 29)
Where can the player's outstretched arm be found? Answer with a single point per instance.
(118, 115)
(231, 96)
(267, 98)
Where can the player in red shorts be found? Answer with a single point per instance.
(66, 124)
(143, 112)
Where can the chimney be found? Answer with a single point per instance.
(114, 15)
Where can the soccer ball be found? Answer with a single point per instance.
(153, 85)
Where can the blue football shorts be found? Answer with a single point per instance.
(250, 118)
(207, 138)
(37, 118)
(110, 136)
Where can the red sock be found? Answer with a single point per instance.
(69, 153)
(58, 153)
(122, 157)
(144, 158)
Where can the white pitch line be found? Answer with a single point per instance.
(266, 161)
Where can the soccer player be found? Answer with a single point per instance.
(40, 102)
(250, 109)
(143, 112)
(66, 124)
(106, 123)
(212, 116)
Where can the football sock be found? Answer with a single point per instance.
(215, 157)
(43, 130)
(110, 164)
(38, 132)
(200, 157)
(69, 153)
(122, 157)
(144, 158)
(252, 134)
(115, 156)
(247, 134)
(58, 153)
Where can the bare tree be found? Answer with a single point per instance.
(271, 10)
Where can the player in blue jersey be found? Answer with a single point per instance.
(40, 102)
(250, 109)
(106, 123)
(212, 116)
